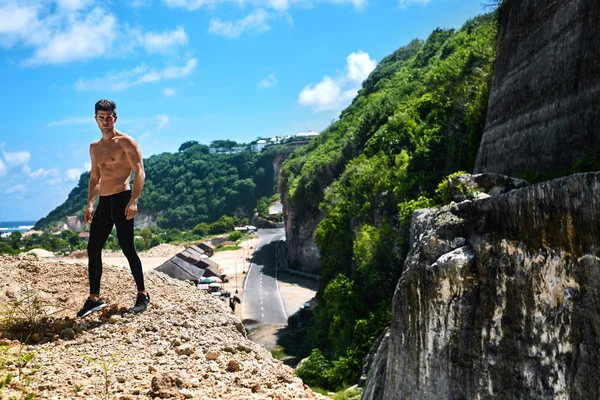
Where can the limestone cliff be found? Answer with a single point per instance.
(300, 241)
(499, 298)
(543, 113)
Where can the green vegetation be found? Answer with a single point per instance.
(144, 239)
(418, 118)
(226, 248)
(191, 187)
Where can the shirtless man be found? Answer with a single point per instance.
(113, 158)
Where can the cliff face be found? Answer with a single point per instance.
(500, 298)
(543, 112)
(300, 242)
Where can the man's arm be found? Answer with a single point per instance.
(93, 186)
(134, 157)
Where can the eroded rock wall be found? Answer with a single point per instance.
(300, 241)
(500, 298)
(543, 112)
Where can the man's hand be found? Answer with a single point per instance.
(88, 214)
(131, 209)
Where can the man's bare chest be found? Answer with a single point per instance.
(108, 154)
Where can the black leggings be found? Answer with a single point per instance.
(111, 211)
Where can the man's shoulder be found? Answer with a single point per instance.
(127, 142)
(94, 144)
(125, 138)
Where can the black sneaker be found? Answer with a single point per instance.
(140, 304)
(90, 306)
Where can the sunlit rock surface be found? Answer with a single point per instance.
(500, 298)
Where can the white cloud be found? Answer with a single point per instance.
(68, 121)
(163, 121)
(73, 174)
(335, 94)
(63, 31)
(359, 66)
(169, 92)
(117, 81)
(43, 173)
(16, 159)
(280, 5)
(89, 38)
(269, 81)
(26, 169)
(3, 169)
(406, 3)
(17, 189)
(257, 21)
(87, 166)
(163, 42)
(326, 95)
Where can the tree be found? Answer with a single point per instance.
(186, 145)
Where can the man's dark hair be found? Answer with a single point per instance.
(106, 105)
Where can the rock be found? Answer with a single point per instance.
(169, 384)
(233, 366)
(35, 338)
(186, 349)
(67, 334)
(503, 315)
(482, 186)
(212, 355)
(538, 118)
(114, 318)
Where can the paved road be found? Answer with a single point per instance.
(262, 302)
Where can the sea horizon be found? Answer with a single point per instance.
(10, 226)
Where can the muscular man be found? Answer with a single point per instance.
(113, 158)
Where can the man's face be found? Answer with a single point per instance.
(106, 120)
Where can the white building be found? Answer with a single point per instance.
(310, 134)
(258, 146)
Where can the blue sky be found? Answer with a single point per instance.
(182, 70)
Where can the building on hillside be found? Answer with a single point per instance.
(84, 236)
(258, 146)
(226, 150)
(310, 134)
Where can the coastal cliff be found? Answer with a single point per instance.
(499, 298)
(543, 113)
(300, 241)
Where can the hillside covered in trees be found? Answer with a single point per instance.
(419, 117)
(191, 186)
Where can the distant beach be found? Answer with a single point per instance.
(7, 227)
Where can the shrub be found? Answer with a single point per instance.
(233, 236)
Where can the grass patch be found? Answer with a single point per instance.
(25, 316)
(344, 394)
(226, 248)
(279, 353)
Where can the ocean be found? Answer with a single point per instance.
(9, 226)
